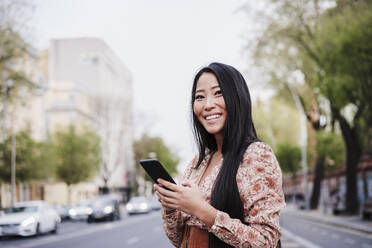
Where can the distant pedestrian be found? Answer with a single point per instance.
(231, 193)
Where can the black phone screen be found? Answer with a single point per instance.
(156, 170)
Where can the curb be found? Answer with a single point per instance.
(328, 221)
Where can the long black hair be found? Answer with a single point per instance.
(239, 133)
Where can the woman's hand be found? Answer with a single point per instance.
(186, 198)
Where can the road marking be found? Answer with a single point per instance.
(290, 244)
(91, 230)
(300, 240)
(132, 240)
(349, 241)
(335, 236)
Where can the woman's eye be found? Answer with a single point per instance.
(198, 97)
(218, 92)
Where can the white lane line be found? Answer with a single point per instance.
(87, 231)
(306, 243)
(290, 244)
(335, 236)
(349, 241)
(132, 240)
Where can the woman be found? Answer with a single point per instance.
(231, 193)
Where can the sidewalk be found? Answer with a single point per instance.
(350, 222)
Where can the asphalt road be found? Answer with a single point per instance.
(136, 231)
(142, 231)
(313, 235)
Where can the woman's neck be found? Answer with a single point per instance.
(219, 141)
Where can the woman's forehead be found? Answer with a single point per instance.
(207, 80)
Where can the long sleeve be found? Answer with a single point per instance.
(174, 220)
(259, 181)
(173, 226)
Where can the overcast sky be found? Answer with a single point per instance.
(162, 42)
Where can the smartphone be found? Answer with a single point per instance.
(156, 170)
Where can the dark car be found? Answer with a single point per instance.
(367, 208)
(104, 207)
(300, 201)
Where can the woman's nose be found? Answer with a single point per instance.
(209, 103)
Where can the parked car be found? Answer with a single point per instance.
(154, 202)
(138, 205)
(29, 218)
(62, 211)
(300, 201)
(338, 202)
(79, 211)
(105, 207)
(367, 208)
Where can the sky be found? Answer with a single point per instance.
(163, 43)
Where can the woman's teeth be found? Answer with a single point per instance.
(212, 117)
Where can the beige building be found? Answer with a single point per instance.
(72, 75)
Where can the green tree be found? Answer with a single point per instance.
(148, 146)
(32, 158)
(276, 122)
(330, 155)
(328, 52)
(77, 155)
(14, 49)
(289, 158)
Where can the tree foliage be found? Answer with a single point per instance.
(32, 158)
(330, 149)
(77, 154)
(13, 48)
(276, 122)
(326, 50)
(289, 158)
(147, 146)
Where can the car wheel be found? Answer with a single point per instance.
(365, 216)
(38, 232)
(54, 231)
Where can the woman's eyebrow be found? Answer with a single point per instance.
(213, 87)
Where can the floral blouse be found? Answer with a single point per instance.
(259, 181)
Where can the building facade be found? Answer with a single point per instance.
(79, 81)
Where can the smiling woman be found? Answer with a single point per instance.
(231, 193)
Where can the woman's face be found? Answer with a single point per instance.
(209, 104)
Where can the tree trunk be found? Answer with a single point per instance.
(69, 193)
(365, 183)
(353, 153)
(319, 174)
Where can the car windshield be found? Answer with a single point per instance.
(101, 202)
(21, 209)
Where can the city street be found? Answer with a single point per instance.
(136, 231)
(142, 231)
(300, 232)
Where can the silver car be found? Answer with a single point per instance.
(29, 218)
(138, 205)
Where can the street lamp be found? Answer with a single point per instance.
(303, 141)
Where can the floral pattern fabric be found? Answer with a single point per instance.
(259, 181)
